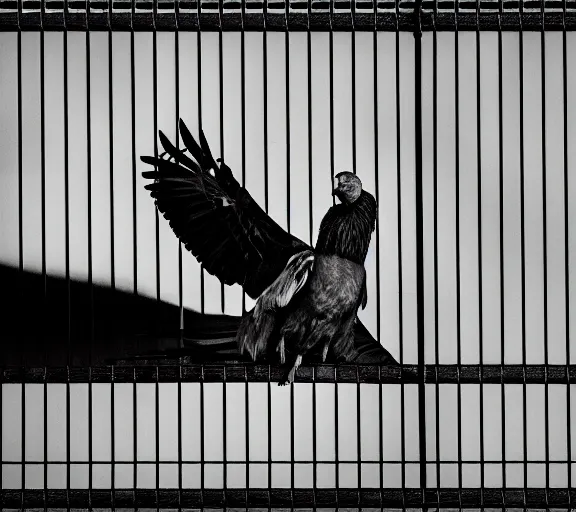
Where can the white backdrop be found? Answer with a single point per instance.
(395, 146)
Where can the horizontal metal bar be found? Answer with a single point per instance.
(212, 20)
(407, 5)
(410, 497)
(168, 371)
(281, 461)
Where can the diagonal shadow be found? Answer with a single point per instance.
(52, 321)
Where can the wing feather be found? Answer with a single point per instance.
(257, 327)
(216, 219)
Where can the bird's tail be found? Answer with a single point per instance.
(211, 336)
(255, 331)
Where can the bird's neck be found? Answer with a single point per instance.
(347, 229)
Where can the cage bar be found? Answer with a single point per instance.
(493, 376)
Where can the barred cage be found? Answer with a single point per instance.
(457, 115)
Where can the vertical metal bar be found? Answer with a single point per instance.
(112, 443)
(353, 65)
(89, 191)
(221, 86)
(67, 253)
(435, 248)
(90, 284)
(224, 433)
(112, 269)
(243, 107)
(287, 57)
(266, 203)
(202, 463)
(309, 85)
(45, 443)
(265, 89)
(90, 453)
(336, 437)
(21, 250)
(545, 250)
(523, 255)
(247, 426)
(199, 74)
(155, 124)
(134, 238)
(44, 279)
(376, 164)
(157, 436)
(43, 178)
(177, 93)
(20, 184)
(378, 303)
(180, 438)
(135, 431)
(419, 241)
(23, 452)
(381, 439)
(133, 142)
(269, 409)
(358, 436)
(157, 239)
(399, 256)
(566, 249)
(354, 170)
(224, 385)
(292, 442)
(331, 73)
(458, 287)
(67, 432)
(314, 441)
(111, 143)
(66, 191)
(180, 284)
(501, 208)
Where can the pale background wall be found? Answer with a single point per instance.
(299, 215)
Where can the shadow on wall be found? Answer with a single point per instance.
(40, 323)
(52, 321)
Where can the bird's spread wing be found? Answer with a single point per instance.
(257, 327)
(217, 219)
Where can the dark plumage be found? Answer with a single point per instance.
(346, 228)
(217, 219)
(328, 286)
(305, 298)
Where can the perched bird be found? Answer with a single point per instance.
(314, 301)
(307, 299)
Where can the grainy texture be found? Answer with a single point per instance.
(279, 21)
(169, 371)
(410, 497)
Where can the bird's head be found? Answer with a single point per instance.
(348, 187)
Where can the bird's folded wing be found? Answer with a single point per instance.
(217, 219)
(257, 327)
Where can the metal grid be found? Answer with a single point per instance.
(359, 15)
(418, 16)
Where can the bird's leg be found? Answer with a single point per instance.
(325, 351)
(281, 350)
(289, 379)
